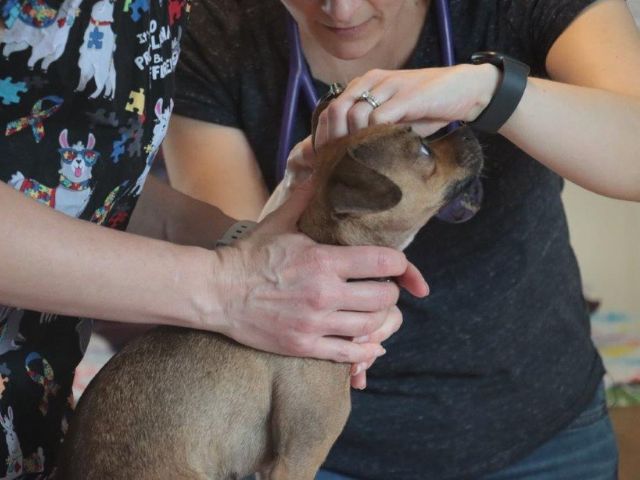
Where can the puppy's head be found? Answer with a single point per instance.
(380, 185)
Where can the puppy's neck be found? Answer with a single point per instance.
(318, 223)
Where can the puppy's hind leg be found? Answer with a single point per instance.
(307, 421)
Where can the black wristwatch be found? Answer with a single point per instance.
(507, 95)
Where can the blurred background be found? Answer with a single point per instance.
(605, 235)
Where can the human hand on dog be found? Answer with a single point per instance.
(300, 165)
(412, 282)
(427, 98)
(290, 295)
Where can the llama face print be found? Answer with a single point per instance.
(73, 191)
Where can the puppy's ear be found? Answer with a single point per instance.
(355, 188)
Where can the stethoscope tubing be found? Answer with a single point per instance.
(300, 79)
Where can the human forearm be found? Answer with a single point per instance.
(587, 135)
(276, 290)
(58, 264)
(166, 214)
(583, 125)
(215, 164)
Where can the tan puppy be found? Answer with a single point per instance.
(186, 404)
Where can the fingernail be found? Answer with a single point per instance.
(362, 339)
(380, 351)
(356, 370)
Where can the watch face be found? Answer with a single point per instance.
(494, 58)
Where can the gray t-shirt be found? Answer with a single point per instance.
(498, 358)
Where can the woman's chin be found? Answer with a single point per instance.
(348, 50)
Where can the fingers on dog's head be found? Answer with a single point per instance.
(335, 89)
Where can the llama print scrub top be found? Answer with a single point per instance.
(86, 92)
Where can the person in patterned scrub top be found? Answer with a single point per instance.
(86, 91)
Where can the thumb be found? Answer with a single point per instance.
(286, 216)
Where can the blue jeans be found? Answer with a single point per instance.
(585, 450)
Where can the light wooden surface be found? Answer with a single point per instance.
(626, 423)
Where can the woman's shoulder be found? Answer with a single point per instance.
(236, 27)
(233, 17)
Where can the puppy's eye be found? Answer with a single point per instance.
(425, 150)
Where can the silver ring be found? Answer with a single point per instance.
(370, 99)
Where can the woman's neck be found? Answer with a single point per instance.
(392, 51)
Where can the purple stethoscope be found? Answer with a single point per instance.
(463, 207)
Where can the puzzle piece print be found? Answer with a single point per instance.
(101, 213)
(100, 117)
(36, 82)
(175, 10)
(118, 148)
(135, 132)
(136, 102)
(9, 90)
(118, 219)
(135, 146)
(38, 14)
(138, 6)
(95, 39)
(127, 4)
(10, 12)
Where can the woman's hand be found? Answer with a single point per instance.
(287, 294)
(300, 165)
(427, 98)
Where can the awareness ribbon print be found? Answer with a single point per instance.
(35, 118)
(44, 378)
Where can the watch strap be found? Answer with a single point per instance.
(508, 93)
(235, 232)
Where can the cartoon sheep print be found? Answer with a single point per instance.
(79, 138)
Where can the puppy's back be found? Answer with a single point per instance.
(159, 402)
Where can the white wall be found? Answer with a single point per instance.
(605, 234)
(635, 9)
